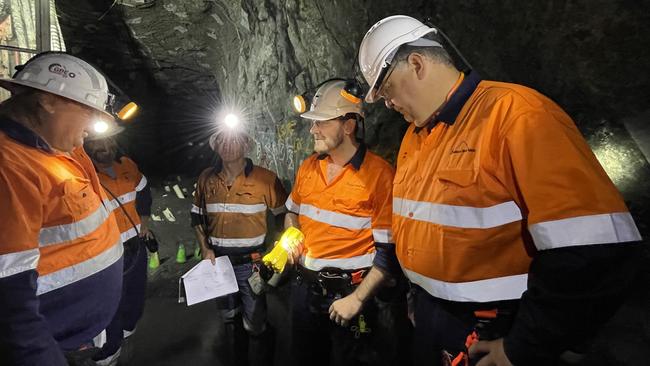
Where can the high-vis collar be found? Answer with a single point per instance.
(357, 158)
(23, 134)
(452, 108)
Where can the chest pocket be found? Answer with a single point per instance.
(249, 195)
(353, 198)
(79, 198)
(456, 183)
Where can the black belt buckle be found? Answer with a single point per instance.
(336, 283)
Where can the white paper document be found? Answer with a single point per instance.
(206, 281)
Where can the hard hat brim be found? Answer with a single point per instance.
(14, 86)
(318, 116)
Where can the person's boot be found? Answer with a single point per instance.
(261, 348)
(237, 342)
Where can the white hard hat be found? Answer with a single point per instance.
(381, 42)
(329, 103)
(63, 75)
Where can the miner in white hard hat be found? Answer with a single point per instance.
(60, 247)
(505, 223)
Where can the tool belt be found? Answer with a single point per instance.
(332, 281)
(239, 259)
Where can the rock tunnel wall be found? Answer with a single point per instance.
(183, 60)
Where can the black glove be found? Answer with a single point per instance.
(151, 244)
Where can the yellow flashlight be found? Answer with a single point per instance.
(290, 241)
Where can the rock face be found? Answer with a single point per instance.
(187, 60)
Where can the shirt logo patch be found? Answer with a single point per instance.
(462, 148)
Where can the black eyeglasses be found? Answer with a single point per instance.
(385, 73)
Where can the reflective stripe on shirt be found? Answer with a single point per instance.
(17, 262)
(382, 235)
(235, 208)
(585, 230)
(79, 271)
(458, 216)
(292, 206)
(335, 218)
(142, 184)
(239, 242)
(316, 264)
(131, 233)
(67, 232)
(493, 289)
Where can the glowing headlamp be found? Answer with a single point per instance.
(100, 126)
(128, 111)
(231, 120)
(300, 103)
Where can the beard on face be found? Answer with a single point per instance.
(103, 156)
(324, 145)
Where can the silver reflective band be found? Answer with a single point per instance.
(142, 184)
(458, 216)
(335, 218)
(130, 233)
(128, 333)
(68, 232)
(278, 210)
(493, 289)
(239, 242)
(585, 230)
(235, 208)
(316, 264)
(196, 209)
(100, 339)
(383, 236)
(125, 198)
(292, 206)
(13, 263)
(79, 271)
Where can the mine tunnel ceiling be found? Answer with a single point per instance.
(183, 59)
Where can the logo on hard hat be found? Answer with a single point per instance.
(61, 70)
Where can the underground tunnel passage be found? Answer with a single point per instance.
(535, 211)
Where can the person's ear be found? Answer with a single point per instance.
(48, 102)
(418, 63)
(348, 126)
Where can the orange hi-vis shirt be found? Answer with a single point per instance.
(236, 215)
(56, 220)
(503, 173)
(344, 219)
(128, 181)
